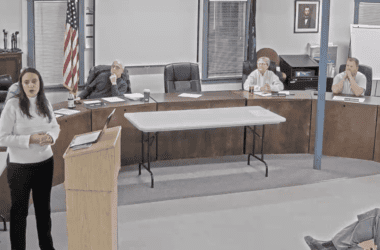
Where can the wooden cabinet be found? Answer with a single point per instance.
(11, 64)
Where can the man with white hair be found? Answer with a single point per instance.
(263, 79)
(106, 84)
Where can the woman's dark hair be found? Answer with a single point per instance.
(42, 102)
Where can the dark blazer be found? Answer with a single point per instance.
(101, 86)
(310, 23)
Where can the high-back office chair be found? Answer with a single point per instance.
(182, 77)
(5, 83)
(367, 71)
(270, 53)
(273, 56)
(96, 70)
(249, 66)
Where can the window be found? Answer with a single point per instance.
(49, 21)
(224, 39)
(369, 13)
(46, 32)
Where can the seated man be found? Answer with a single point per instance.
(366, 228)
(263, 79)
(350, 81)
(106, 84)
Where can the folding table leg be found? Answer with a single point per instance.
(262, 149)
(142, 156)
(5, 224)
(142, 152)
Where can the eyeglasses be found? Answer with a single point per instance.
(262, 64)
(115, 67)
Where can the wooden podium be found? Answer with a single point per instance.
(91, 193)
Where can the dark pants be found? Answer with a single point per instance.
(22, 178)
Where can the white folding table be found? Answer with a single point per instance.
(163, 121)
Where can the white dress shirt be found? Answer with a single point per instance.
(360, 79)
(258, 80)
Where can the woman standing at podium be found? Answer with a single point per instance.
(28, 128)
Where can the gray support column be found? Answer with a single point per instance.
(205, 36)
(322, 84)
(30, 53)
(356, 14)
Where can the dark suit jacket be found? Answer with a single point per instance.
(309, 25)
(101, 86)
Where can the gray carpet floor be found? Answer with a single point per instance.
(177, 179)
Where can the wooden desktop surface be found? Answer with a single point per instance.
(349, 128)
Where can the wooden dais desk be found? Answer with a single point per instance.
(349, 128)
(291, 136)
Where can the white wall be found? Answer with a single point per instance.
(275, 27)
(10, 20)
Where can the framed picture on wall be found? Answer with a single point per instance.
(306, 16)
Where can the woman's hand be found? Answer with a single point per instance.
(41, 139)
(46, 140)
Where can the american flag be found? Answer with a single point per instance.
(71, 47)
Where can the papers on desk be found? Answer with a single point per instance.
(284, 92)
(85, 139)
(66, 111)
(134, 96)
(91, 102)
(260, 93)
(81, 146)
(189, 95)
(113, 99)
(348, 99)
(57, 115)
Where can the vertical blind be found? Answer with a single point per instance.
(226, 38)
(369, 13)
(50, 21)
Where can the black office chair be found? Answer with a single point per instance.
(5, 83)
(96, 70)
(249, 66)
(367, 71)
(182, 77)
